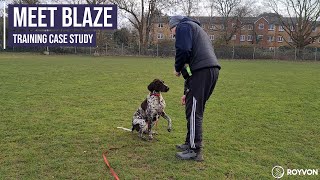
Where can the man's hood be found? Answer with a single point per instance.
(189, 19)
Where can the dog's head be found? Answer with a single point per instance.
(158, 86)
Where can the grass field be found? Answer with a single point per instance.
(58, 114)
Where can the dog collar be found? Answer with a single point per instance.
(155, 94)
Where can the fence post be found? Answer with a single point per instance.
(139, 48)
(106, 48)
(122, 49)
(157, 49)
(254, 51)
(232, 52)
(274, 53)
(295, 53)
(4, 25)
(315, 54)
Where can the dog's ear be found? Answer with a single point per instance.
(151, 86)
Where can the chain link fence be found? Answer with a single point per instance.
(160, 50)
(283, 53)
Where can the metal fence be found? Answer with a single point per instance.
(308, 53)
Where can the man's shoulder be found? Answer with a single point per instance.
(189, 23)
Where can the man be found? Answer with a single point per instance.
(196, 61)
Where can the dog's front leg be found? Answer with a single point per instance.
(141, 133)
(166, 117)
(149, 121)
(149, 130)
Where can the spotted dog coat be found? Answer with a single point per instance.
(151, 109)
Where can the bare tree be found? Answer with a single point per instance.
(81, 1)
(26, 1)
(74, 1)
(141, 15)
(96, 1)
(103, 37)
(69, 1)
(225, 8)
(301, 20)
(231, 13)
(188, 7)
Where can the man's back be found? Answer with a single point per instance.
(202, 54)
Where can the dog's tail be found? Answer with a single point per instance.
(126, 129)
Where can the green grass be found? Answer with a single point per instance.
(58, 114)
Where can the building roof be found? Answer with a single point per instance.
(271, 18)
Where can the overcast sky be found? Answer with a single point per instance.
(49, 2)
(174, 11)
(202, 10)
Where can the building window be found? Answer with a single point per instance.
(243, 27)
(280, 39)
(160, 36)
(281, 28)
(212, 27)
(290, 39)
(270, 38)
(172, 36)
(271, 27)
(261, 26)
(222, 26)
(260, 37)
(234, 37)
(242, 38)
(211, 37)
(160, 25)
(250, 27)
(249, 38)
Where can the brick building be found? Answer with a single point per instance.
(264, 31)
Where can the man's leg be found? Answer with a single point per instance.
(201, 85)
(201, 89)
(188, 108)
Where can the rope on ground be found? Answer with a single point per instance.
(114, 174)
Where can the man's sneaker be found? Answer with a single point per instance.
(190, 154)
(182, 147)
(199, 157)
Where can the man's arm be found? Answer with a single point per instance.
(183, 46)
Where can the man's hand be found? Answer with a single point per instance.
(183, 100)
(177, 73)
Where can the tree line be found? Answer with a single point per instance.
(298, 17)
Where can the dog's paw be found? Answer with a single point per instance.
(140, 135)
(169, 129)
(150, 137)
(144, 138)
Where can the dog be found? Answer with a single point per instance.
(151, 109)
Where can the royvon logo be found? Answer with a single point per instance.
(278, 172)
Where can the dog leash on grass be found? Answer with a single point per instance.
(126, 129)
(114, 174)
